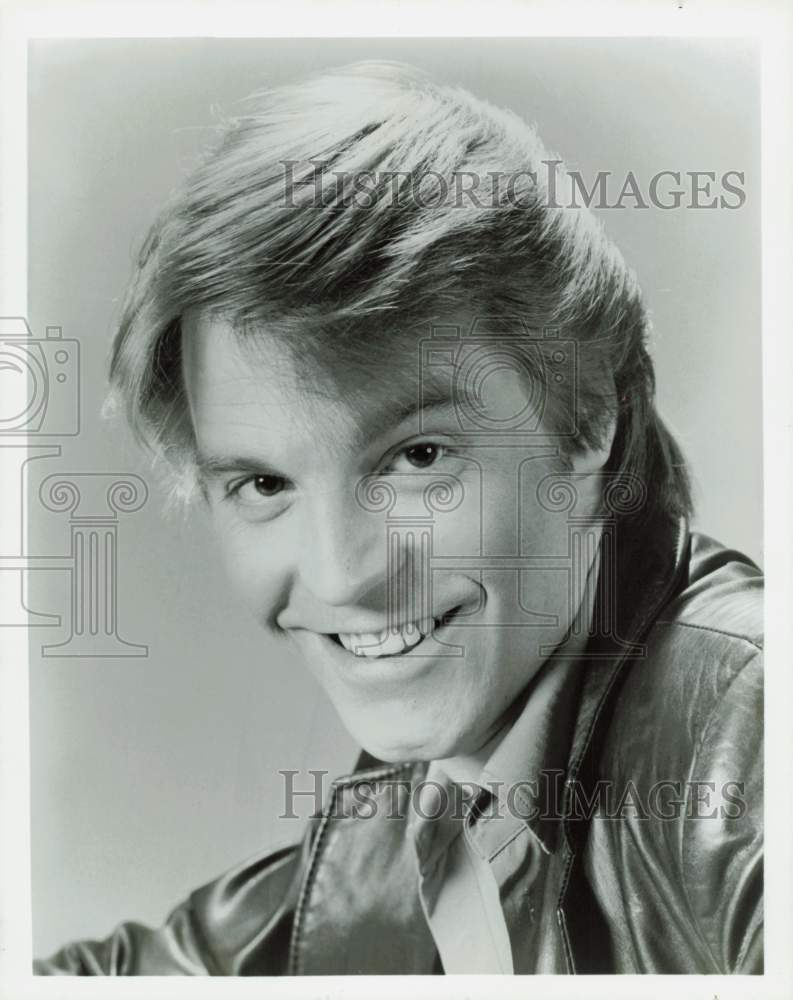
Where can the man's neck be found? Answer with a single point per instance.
(466, 768)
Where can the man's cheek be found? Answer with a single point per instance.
(459, 533)
(253, 570)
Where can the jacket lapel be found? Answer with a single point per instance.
(649, 566)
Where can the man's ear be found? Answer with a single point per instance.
(591, 460)
(587, 465)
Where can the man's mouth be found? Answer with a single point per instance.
(393, 641)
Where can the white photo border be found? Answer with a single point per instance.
(770, 23)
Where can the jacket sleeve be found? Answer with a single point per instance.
(723, 841)
(237, 925)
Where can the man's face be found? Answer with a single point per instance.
(292, 475)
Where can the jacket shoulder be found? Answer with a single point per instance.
(701, 657)
(722, 594)
(709, 634)
(686, 737)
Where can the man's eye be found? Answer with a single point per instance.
(423, 455)
(419, 456)
(254, 489)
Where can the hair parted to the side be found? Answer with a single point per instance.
(303, 216)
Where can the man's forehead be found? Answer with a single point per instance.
(370, 386)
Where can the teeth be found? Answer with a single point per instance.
(425, 625)
(387, 642)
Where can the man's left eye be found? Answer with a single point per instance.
(255, 490)
(421, 456)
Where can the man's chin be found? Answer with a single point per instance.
(394, 745)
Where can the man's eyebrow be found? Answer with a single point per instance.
(212, 466)
(391, 415)
(377, 422)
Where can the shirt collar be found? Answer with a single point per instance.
(525, 773)
(526, 770)
(435, 817)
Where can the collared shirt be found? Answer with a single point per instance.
(482, 851)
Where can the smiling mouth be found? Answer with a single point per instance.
(393, 641)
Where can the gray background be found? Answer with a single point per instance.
(150, 776)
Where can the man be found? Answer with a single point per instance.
(413, 389)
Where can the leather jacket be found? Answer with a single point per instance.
(671, 699)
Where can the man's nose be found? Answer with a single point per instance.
(344, 559)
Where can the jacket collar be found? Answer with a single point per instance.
(644, 566)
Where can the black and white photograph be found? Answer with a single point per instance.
(394, 438)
